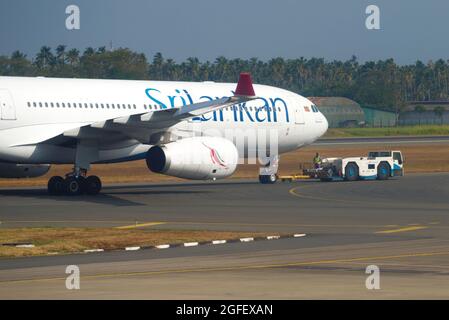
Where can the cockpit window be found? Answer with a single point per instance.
(314, 108)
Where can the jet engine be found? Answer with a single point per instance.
(12, 170)
(197, 158)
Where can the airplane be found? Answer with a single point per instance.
(48, 121)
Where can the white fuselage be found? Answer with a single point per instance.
(40, 116)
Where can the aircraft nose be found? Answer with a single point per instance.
(324, 125)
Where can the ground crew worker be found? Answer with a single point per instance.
(317, 161)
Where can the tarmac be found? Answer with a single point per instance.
(400, 225)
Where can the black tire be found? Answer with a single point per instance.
(55, 186)
(351, 172)
(74, 186)
(93, 185)
(383, 171)
(268, 179)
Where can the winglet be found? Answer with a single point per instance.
(245, 86)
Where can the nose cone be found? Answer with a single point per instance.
(324, 125)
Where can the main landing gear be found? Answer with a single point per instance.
(74, 185)
(77, 182)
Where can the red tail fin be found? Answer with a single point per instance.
(245, 86)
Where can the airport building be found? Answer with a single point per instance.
(379, 118)
(339, 111)
(425, 112)
(343, 112)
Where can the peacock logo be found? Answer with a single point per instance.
(215, 157)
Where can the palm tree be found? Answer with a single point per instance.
(157, 66)
(73, 57)
(61, 54)
(45, 58)
(221, 66)
(18, 55)
(193, 68)
(89, 51)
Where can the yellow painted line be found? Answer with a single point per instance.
(403, 229)
(236, 268)
(176, 222)
(140, 225)
(295, 192)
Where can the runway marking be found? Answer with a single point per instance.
(227, 223)
(235, 268)
(275, 224)
(402, 229)
(294, 191)
(140, 225)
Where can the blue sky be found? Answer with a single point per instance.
(206, 29)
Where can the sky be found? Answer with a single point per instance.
(330, 29)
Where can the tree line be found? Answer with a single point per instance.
(382, 84)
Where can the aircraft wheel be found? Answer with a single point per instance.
(55, 186)
(93, 185)
(74, 186)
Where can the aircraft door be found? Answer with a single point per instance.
(299, 116)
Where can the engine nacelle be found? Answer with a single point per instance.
(197, 158)
(12, 170)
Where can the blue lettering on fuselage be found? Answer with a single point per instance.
(268, 112)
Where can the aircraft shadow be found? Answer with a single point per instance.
(110, 196)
